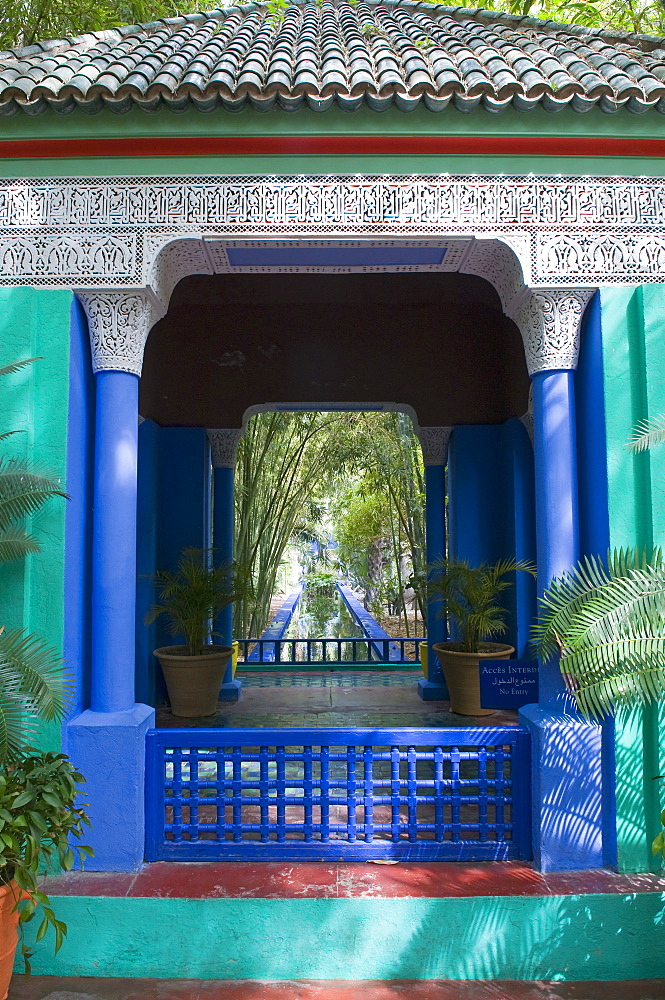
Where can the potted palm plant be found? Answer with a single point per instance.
(191, 598)
(471, 602)
(38, 790)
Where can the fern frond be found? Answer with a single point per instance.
(15, 545)
(607, 622)
(16, 366)
(647, 433)
(30, 668)
(23, 491)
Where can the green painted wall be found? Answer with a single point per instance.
(634, 361)
(36, 324)
(333, 122)
(305, 121)
(532, 938)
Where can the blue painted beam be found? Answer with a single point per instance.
(277, 628)
(370, 626)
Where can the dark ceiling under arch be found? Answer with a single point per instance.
(437, 342)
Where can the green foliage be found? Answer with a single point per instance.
(640, 16)
(379, 513)
(471, 596)
(193, 595)
(647, 434)
(284, 461)
(38, 815)
(606, 621)
(24, 22)
(658, 844)
(31, 689)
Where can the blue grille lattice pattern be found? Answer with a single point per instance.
(336, 794)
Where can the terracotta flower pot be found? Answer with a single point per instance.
(193, 682)
(9, 896)
(462, 673)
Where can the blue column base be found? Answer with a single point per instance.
(431, 691)
(109, 749)
(230, 691)
(566, 761)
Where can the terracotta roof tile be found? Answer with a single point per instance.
(381, 53)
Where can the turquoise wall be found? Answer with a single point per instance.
(634, 362)
(595, 936)
(34, 400)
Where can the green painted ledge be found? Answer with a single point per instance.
(404, 164)
(597, 936)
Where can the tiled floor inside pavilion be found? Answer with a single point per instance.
(333, 699)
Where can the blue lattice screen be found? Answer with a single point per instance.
(338, 794)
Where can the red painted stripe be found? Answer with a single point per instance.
(334, 989)
(320, 880)
(329, 145)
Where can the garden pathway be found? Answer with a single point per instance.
(333, 699)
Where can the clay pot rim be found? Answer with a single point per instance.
(180, 653)
(497, 647)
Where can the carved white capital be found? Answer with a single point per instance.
(434, 442)
(549, 321)
(224, 446)
(119, 324)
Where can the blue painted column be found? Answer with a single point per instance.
(434, 441)
(224, 446)
(107, 740)
(566, 751)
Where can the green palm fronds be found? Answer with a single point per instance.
(31, 688)
(15, 366)
(607, 623)
(193, 595)
(23, 490)
(31, 683)
(471, 596)
(647, 433)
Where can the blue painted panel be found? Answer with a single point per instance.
(338, 793)
(384, 649)
(79, 510)
(223, 530)
(333, 256)
(508, 683)
(147, 690)
(491, 509)
(265, 651)
(183, 510)
(114, 542)
(555, 453)
(594, 511)
(591, 436)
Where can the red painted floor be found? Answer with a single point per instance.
(313, 880)
(56, 988)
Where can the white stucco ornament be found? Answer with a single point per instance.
(434, 443)
(549, 320)
(119, 324)
(224, 446)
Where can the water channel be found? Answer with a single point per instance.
(321, 613)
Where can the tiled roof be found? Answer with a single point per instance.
(318, 54)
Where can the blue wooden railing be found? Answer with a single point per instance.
(304, 653)
(338, 794)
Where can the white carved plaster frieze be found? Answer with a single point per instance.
(434, 443)
(224, 446)
(108, 232)
(549, 321)
(119, 324)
